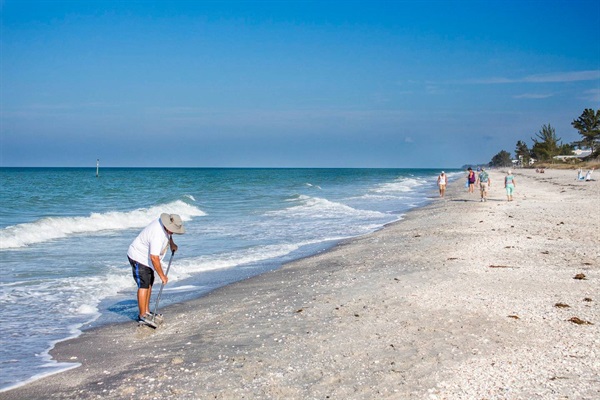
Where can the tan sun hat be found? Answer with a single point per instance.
(172, 222)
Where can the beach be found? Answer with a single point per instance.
(461, 299)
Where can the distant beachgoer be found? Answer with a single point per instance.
(484, 183)
(580, 176)
(442, 180)
(145, 254)
(471, 179)
(588, 176)
(509, 185)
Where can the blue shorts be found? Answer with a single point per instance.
(510, 189)
(142, 274)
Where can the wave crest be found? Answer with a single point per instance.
(51, 228)
(318, 208)
(402, 185)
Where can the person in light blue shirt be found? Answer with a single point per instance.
(509, 185)
(484, 181)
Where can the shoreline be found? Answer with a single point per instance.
(455, 300)
(49, 366)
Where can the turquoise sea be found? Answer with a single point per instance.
(64, 235)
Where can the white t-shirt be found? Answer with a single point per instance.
(153, 240)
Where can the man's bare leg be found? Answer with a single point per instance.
(143, 298)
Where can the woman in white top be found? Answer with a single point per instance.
(442, 181)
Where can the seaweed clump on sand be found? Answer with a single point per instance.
(579, 321)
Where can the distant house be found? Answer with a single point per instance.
(577, 154)
(519, 162)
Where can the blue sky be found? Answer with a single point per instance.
(290, 83)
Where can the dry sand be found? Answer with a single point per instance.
(460, 300)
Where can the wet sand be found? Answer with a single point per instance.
(460, 300)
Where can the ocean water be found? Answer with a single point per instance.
(64, 235)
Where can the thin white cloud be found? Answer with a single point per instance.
(592, 95)
(573, 76)
(434, 89)
(533, 96)
(555, 77)
(487, 81)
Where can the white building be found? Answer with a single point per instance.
(577, 154)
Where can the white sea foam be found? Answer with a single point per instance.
(191, 266)
(183, 288)
(404, 184)
(75, 295)
(73, 301)
(52, 367)
(51, 228)
(379, 197)
(86, 309)
(316, 207)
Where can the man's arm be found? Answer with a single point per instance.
(158, 268)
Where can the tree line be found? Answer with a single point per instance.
(546, 145)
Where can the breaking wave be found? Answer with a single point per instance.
(51, 228)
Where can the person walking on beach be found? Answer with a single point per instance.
(145, 255)
(484, 183)
(442, 180)
(471, 179)
(509, 185)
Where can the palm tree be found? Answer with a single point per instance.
(588, 125)
(546, 144)
(522, 152)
